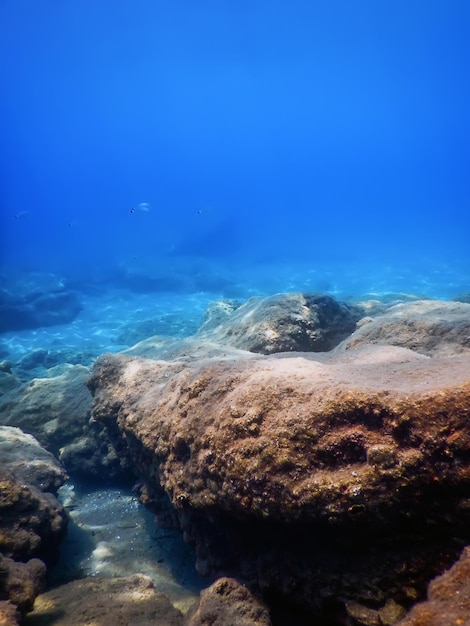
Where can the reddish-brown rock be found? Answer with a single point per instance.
(448, 601)
(20, 583)
(9, 614)
(227, 602)
(32, 523)
(330, 479)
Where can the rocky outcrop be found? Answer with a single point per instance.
(282, 323)
(448, 601)
(32, 523)
(22, 455)
(56, 410)
(20, 583)
(9, 614)
(36, 309)
(227, 602)
(102, 601)
(337, 480)
(430, 327)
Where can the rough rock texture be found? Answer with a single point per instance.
(448, 601)
(225, 603)
(430, 327)
(284, 322)
(216, 313)
(56, 410)
(20, 583)
(22, 455)
(332, 479)
(9, 614)
(32, 523)
(101, 601)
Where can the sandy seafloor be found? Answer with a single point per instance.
(110, 532)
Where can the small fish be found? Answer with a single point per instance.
(142, 206)
(22, 214)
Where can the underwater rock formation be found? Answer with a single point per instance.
(228, 602)
(56, 410)
(284, 322)
(22, 455)
(332, 479)
(32, 524)
(100, 600)
(430, 327)
(20, 583)
(448, 602)
(37, 309)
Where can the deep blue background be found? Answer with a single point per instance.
(256, 129)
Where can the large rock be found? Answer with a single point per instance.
(32, 523)
(56, 410)
(448, 602)
(284, 322)
(38, 309)
(430, 327)
(227, 602)
(20, 583)
(101, 601)
(22, 455)
(333, 479)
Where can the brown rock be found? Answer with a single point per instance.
(284, 322)
(103, 601)
(227, 602)
(430, 327)
(9, 614)
(32, 523)
(336, 476)
(20, 583)
(448, 601)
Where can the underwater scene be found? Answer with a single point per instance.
(234, 313)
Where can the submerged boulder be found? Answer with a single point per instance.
(56, 411)
(430, 327)
(100, 600)
(448, 602)
(22, 455)
(281, 323)
(228, 602)
(330, 478)
(32, 523)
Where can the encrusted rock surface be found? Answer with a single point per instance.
(103, 601)
(430, 327)
(31, 522)
(329, 478)
(284, 322)
(448, 602)
(20, 583)
(56, 410)
(22, 455)
(227, 602)
(9, 614)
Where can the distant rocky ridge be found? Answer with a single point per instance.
(335, 480)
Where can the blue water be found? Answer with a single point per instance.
(316, 145)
